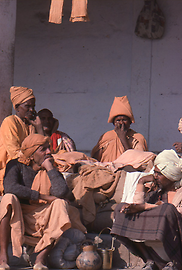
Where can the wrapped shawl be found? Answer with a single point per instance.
(111, 146)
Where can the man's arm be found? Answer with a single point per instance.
(59, 187)
(178, 147)
(12, 182)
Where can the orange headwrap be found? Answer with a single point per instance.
(120, 106)
(20, 94)
(30, 144)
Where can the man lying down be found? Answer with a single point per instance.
(151, 226)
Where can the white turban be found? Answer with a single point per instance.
(169, 164)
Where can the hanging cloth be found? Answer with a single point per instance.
(56, 9)
(151, 21)
(78, 13)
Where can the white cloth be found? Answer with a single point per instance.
(131, 182)
(169, 164)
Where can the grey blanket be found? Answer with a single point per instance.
(162, 223)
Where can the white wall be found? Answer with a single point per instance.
(76, 69)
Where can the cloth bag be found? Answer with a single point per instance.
(150, 23)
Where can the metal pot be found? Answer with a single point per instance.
(88, 259)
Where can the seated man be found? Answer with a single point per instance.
(60, 140)
(151, 227)
(34, 206)
(15, 128)
(115, 142)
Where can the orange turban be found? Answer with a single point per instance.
(31, 143)
(120, 106)
(20, 94)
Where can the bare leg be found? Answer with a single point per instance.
(42, 256)
(5, 236)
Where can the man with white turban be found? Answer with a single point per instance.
(151, 226)
(15, 128)
(115, 142)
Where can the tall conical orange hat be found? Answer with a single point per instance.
(121, 106)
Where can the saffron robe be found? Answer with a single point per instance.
(111, 147)
(39, 224)
(12, 133)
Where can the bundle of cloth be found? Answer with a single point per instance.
(98, 187)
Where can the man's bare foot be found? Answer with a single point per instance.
(4, 266)
(39, 266)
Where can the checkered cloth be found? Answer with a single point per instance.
(163, 223)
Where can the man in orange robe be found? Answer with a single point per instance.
(35, 205)
(115, 142)
(15, 128)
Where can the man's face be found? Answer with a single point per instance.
(26, 110)
(41, 154)
(122, 120)
(162, 181)
(47, 122)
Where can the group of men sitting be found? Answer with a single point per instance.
(37, 202)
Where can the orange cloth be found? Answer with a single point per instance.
(20, 94)
(135, 158)
(12, 133)
(42, 184)
(56, 9)
(45, 223)
(111, 147)
(39, 224)
(79, 11)
(30, 144)
(121, 106)
(65, 161)
(93, 185)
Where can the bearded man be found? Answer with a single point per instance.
(34, 208)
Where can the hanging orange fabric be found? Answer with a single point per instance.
(78, 13)
(55, 15)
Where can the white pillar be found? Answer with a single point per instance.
(7, 43)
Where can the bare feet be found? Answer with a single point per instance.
(4, 266)
(39, 266)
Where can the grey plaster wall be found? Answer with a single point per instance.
(76, 69)
(7, 39)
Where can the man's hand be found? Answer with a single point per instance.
(121, 132)
(178, 147)
(132, 208)
(48, 163)
(159, 203)
(37, 124)
(47, 198)
(135, 208)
